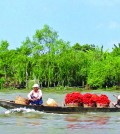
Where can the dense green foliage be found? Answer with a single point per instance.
(54, 62)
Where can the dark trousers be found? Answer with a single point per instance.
(37, 102)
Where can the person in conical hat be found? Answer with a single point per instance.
(35, 96)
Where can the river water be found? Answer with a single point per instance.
(26, 121)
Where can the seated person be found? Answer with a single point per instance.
(35, 96)
(117, 103)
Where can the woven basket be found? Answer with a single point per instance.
(99, 105)
(21, 100)
(87, 105)
(72, 105)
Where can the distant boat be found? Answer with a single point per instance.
(7, 104)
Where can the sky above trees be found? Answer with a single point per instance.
(83, 21)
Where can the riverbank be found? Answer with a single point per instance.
(60, 90)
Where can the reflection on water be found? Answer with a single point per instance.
(29, 123)
(81, 122)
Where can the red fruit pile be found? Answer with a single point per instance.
(74, 97)
(103, 99)
(87, 98)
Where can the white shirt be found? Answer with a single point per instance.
(37, 94)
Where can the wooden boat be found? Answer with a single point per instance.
(60, 109)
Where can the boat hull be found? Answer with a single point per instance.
(61, 110)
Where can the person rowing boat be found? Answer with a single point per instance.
(117, 103)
